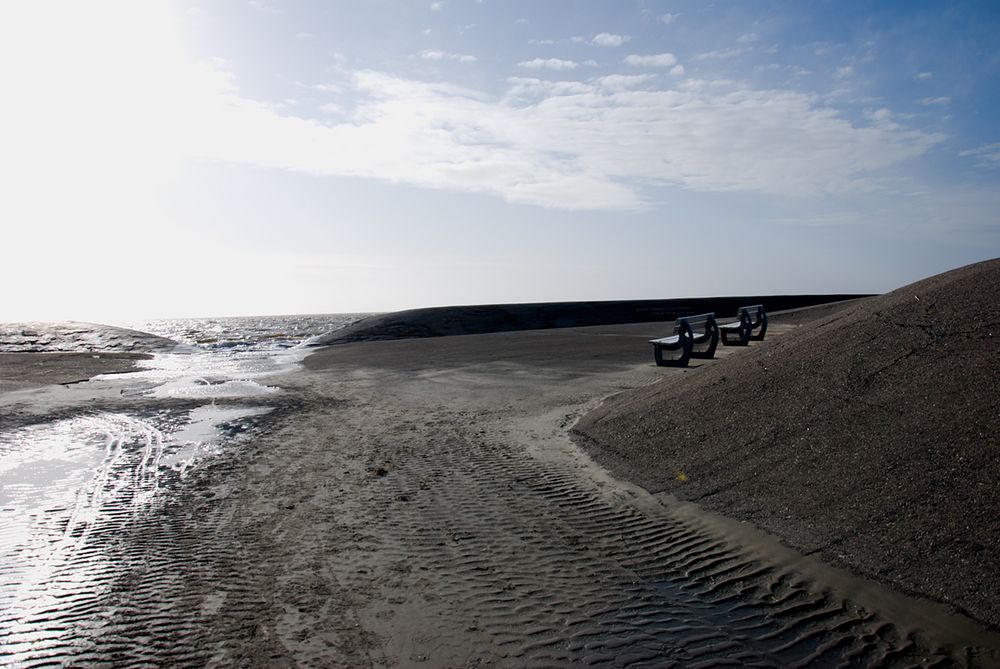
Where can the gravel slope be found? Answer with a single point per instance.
(869, 435)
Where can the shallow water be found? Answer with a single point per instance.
(69, 486)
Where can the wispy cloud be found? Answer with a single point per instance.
(437, 6)
(609, 39)
(328, 88)
(923, 76)
(833, 219)
(652, 60)
(669, 18)
(986, 156)
(567, 144)
(266, 7)
(549, 64)
(747, 38)
(721, 54)
(879, 115)
(843, 72)
(935, 101)
(431, 54)
(620, 82)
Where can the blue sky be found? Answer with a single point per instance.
(251, 157)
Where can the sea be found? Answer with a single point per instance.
(69, 482)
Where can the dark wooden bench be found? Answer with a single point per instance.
(739, 333)
(690, 331)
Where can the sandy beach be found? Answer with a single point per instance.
(422, 503)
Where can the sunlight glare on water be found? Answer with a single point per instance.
(70, 489)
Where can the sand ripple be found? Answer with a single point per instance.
(397, 527)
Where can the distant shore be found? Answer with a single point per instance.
(20, 371)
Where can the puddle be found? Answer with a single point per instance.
(202, 437)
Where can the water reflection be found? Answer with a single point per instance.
(68, 490)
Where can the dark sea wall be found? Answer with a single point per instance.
(460, 320)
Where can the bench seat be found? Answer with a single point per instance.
(690, 330)
(739, 333)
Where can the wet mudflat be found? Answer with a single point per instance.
(421, 504)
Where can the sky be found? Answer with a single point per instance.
(243, 157)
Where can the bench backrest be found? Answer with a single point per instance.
(697, 323)
(754, 314)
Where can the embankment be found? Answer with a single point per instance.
(482, 319)
(869, 435)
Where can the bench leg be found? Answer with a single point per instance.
(682, 361)
(763, 330)
(735, 337)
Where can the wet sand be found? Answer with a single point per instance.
(421, 503)
(19, 371)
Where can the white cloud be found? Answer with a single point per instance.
(654, 60)
(328, 88)
(721, 54)
(567, 144)
(879, 115)
(668, 18)
(748, 38)
(622, 82)
(986, 156)
(843, 72)
(677, 70)
(923, 76)
(437, 6)
(266, 7)
(609, 39)
(524, 90)
(431, 54)
(549, 64)
(570, 144)
(935, 101)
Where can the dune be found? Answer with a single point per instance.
(868, 435)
